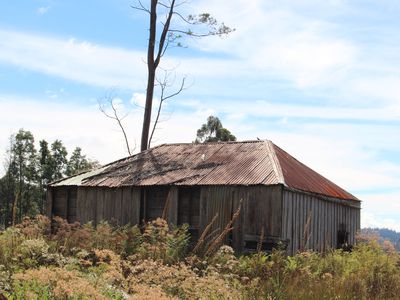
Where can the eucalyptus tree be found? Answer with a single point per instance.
(213, 131)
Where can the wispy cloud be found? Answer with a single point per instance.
(72, 59)
(94, 64)
(43, 10)
(305, 50)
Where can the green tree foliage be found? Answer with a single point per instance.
(28, 171)
(213, 131)
(45, 163)
(59, 154)
(7, 187)
(79, 163)
(23, 168)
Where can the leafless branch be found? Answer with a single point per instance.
(163, 5)
(164, 84)
(141, 7)
(184, 19)
(115, 116)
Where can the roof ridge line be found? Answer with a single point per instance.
(211, 143)
(275, 162)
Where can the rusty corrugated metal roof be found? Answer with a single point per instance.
(224, 163)
(299, 176)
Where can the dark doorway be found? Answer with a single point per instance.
(155, 202)
(189, 210)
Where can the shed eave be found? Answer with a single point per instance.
(354, 200)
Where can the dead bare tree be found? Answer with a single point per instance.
(109, 101)
(171, 33)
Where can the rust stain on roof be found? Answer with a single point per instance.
(224, 163)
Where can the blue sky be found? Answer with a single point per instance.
(321, 79)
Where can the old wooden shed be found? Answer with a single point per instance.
(281, 197)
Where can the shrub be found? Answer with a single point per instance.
(32, 253)
(179, 280)
(160, 242)
(54, 283)
(35, 228)
(10, 240)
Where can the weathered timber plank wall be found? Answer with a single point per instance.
(71, 204)
(155, 201)
(172, 215)
(94, 204)
(49, 202)
(261, 208)
(281, 212)
(60, 202)
(326, 214)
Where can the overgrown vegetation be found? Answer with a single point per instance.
(73, 261)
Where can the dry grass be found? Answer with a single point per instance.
(83, 262)
(204, 234)
(217, 242)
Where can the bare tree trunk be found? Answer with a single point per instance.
(151, 76)
(14, 209)
(156, 49)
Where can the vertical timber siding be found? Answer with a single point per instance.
(60, 202)
(261, 208)
(326, 214)
(71, 204)
(117, 205)
(280, 212)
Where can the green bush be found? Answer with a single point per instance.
(160, 242)
(10, 241)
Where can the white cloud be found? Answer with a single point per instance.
(43, 10)
(94, 64)
(138, 99)
(282, 42)
(70, 59)
(370, 219)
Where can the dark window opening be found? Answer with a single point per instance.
(155, 199)
(342, 236)
(189, 210)
(71, 205)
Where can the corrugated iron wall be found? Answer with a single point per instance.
(325, 217)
